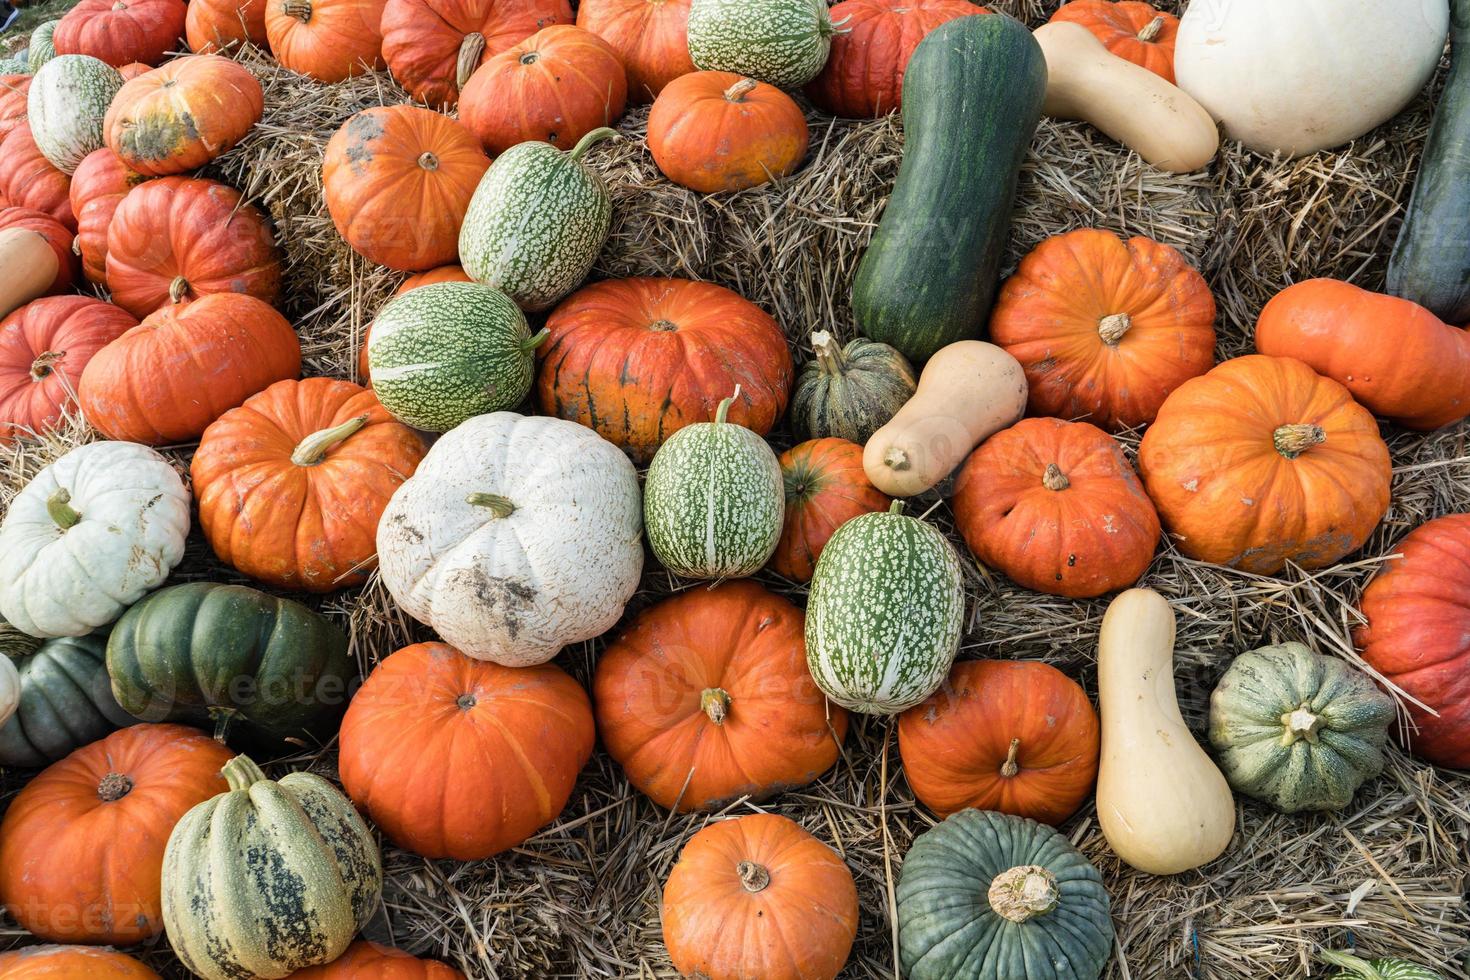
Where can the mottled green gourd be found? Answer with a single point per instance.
(713, 500)
(17, 64)
(884, 615)
(849, 391)
(1298, 730)
(1357, 968)
(268, 878)
(783, 42)
(989, 896)
(42, 48)
(65, 699)
(66, 104)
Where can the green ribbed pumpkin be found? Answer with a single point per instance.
(42, 48)
(65, 701)
(1298, 730)
(1356, 968)
(65, 106)
(268, 878)
(16, 64)
(849, 391)
(783, 42)
(990, 896)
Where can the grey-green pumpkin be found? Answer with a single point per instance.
(783, 42)
(42, 49)
(990, 896)
(66, 104)
(1359, 968)
(17, 64)
(1296, 729)
(65, 701)
(849, 391)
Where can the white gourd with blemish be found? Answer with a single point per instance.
(66, 105)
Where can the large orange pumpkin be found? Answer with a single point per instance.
(100, 183)
(434, 46)
(81, 847)
(398, 180)
(758, 896)
(13, 90)
(221, 25)
(639, 359)
(167, 379)
(461, 758)
(650, 36)
(120, 32)
(1261, 462)
(71, 962)
(826, 487)
(29, 180)
(57, 235)
(716, 131)
(1056, 506)
(1104, 328)
(179, 238)
(370, 961)
(706, 697)
(181, 116)
(557, 85)
(1015, 736)
(1130, 29)
(327, 39)
(291, 484)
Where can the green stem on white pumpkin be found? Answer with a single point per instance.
(754, 877)
(499, 506)
(313, 449)
(113, 787)
(723, 410)
(58, 505)
(715, 702)
(587, 142)
(830, 359)
(178, 289)
(16, 644)
(1348, 961)
(535, 340)
(1023, 893)
(1010, 768)
(742, 88)
(1112, 327)
(45, 363)
(1054, 478)
(470, 51)
(1300, 724)
(1151, 29)
(1296, 438)
(241, 773)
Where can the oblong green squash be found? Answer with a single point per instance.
(65, 106)
(849, 391)
(65, 702)
(42, 49)
(783, 42)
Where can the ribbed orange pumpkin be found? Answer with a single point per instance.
(1130, 29)
(100, 183)
(826, 487)
(327, 39)
(181, 116)
(220, 25)
(370, 961)
(81, 848)
(29, 180)
(13, 91)
(650, 36)
(496, 748)
(56, 234)
(639, 359)
(398, 180)
(715, 131)
(1015, 736)
(133, 69)
(121, 32)
(71, 962)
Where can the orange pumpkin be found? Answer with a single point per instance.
(121, 32)
(1261, 462)
(100, 183)
(167, 379)
(181, 116)
(650, 36)
(369, 961)
(69, 963)
(716, 131)
(826, 487)
(639, 359)
(221, 25)
(757, 896)
(557, 85)
(29, 180)
(398, 180)
(1015, 736)
(461, 758)
(706, 697)
(57, 235)
(13, 91)
(1057, 508)
(1132, 30)
(327, 39)
(81, 847)
(1104, 328)
(133, 69)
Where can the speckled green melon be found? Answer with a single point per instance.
(65, 106)
(783, 42)
(884, 615)
(17, 64)
(42, 48)
(1358, 968)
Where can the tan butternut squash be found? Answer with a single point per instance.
(27, 268)
(1162, 804)
(967, 392)
(1157, 120)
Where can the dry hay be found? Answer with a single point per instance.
(581, 898)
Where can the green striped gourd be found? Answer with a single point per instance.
(65, 701)
(1357, 968)
(714, 501)
(536, 222)
(67, 101)
(16, 64)
(849, 392)
(783, 42)
(449, 351)
(42, 48)
(884, 615)
(268, 878)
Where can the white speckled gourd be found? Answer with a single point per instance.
(268, 878)
(783, 42)
(88, 536)
(515, 537)
(536, 222)
(42, 48)
(884, 615)
(66, 104)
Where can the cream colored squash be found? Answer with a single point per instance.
(1162, 804)
(9, 688)
(27, 268)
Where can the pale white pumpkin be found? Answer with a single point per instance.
(9, 688)
(1297, 76)
(515, 537)
(89, 536)
(65, 106)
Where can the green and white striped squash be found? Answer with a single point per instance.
(783, 42)
(66, 104)
(17, 64)
(42, 48)
(268, 878)
(1357, 968)
(65, 701)
(449, 351)
(536, 222)
(713, 500)
(884, 614)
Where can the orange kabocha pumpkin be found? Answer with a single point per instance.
(639, 359)
(1132, 30)
(497, 749)
(69, 963)
(181, 116)
(1104, 328)
(13, 91)
(650, 36)
(370, 961)
(434, 46)
(29, 180)
(1015, 736)
(327, 39)
(121, 32)
(1056, 506)
(215, 25)
(398, 180)
(826, 487)
(758, 896)
(81, 848)
(57, 235)
(557, 86)
(706, 697)
(100, 183)
(1262, 462)
(716, 131)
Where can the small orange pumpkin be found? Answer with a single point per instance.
(69, 962)
(826, 487)
(327, 39)
(100, 183)
(181, 116)
(715, 131)
(222, 25)
(121, 32)
(650, 36)
(1130, 29)
(370, 961)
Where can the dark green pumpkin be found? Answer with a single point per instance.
(256, 667)
(849, 391)
(65, 701)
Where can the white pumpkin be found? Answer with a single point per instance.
(65, 106)
(9, 688)
(1304, 75)
(89, 536)
(515, 537)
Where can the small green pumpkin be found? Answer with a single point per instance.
(268, 878)
(849, 392)
(989, 896)
(1356, 968)
(65, 701)
(783, 42)
(42, 48)
(1296, 729)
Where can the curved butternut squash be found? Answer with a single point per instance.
(28, 267)
(1161, 802)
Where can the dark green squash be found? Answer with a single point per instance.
(258, 668)
(65, 701)
(849, 391)
(971, 100)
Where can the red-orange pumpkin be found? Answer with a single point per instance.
(327, 39)
(1015, 736)
(650, 36)
(443, 273)
(220, 25)
(557, 85)
(1132, 30)
(181, 116)
(71, 962)
(13, 90)
(120, 32)
(826, 487)
(133, 70)
(56, 234)
(29, 180)
(716, 131)
(369, 961)
(100, 183)
(81, 847)
(497, 749)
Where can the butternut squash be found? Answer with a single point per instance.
(1162, 804)
(967, 392)
(27, 268)
(1158, 121)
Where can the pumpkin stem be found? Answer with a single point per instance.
(1300, 724)
(1112, 327)
(466, 701)
(470, 50)
(1054, 478)
(715, 702)
(313, 449)
(1294, 439)
(663, 326)
(119, 5)
(300, 9)
(178, 289)
(1023, 893)
(428, 161)
(42, 365)
(223, 719)
(498, 505)
(241, 773)
(896, 459)
(113, 787)
(536, 340)
(17, 645)
(724, 408)
(896, 507)
(830, 27)
(76, 245)
(742, 88)
(830, 359)
(58, 505)
(755, 877)
(1011, 767)
(1151, 29)
(1348, 961)
(586, 142)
